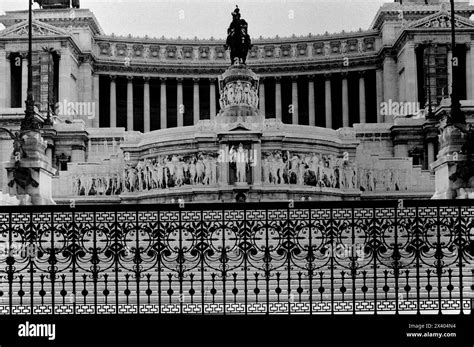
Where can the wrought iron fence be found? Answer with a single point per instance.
(266, 258)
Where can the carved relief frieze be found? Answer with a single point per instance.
(335, 47)
(318, 48)
(121, 49)
(138, 51)
(253, 54)
(154, 51)
(369, 43)
(104, 48)
(285, 51)
(204, 53)
(171, 52)
(220, 53)
(352, 46)
(269, 51)
(302, 49)
(187, 52)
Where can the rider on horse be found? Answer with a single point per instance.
(238, 38)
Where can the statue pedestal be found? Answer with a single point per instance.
(443, 169)
(451, 180)
(241, 186)
(30, 178)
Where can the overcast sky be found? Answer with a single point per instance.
(206, 18)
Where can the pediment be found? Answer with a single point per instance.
(442, 19)
(39, 29)
(239, 127)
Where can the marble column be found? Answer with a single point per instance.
(212, 98)
(390, 86)
(256, 165)
(24, 80)
(261, 96)
(470, 71)
(180, 106)
(345, 101)
(95, 96)
(8, 86)
(113, 102)
(4, 80)
(379, 87)
(163, 109)
(311, 101)
(49, 153)
(196, 96)
(66, 88)
(223, 167)
(411, 73)
(146, 105)
(295, 117)
(278, 98)
(328, 102)
(362, 108)
(129, 103)
(450, 71)
(431, 153)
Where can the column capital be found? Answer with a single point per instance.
(311, 77)
(344, 74)
(112, 78)
(294, 78)
(277, 78)
(163, 79)
(179, 79)
(211, 79)
(361, 73)
(146, 79)
(327, 76)
(129, 78)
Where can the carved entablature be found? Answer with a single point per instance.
(105, 48)
(214, 52)
(302, 49)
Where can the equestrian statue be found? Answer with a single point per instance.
(238, 39)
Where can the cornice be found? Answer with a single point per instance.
(202, 71)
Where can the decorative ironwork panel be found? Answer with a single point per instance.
(310, 258)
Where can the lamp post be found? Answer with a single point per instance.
(456, 115)
(30, 123)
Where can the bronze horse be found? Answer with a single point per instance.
(238, 39)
